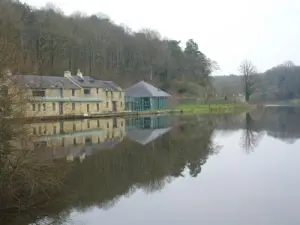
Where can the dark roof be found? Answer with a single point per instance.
(89, 82)
(43, 82)
(143, 89)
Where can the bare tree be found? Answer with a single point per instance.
(248, 70)
(251, 136)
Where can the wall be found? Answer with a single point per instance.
(47, 109)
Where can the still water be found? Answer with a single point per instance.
(227, 169)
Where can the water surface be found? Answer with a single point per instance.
(229, 169)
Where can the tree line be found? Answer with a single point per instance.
(47, 42)
(280, 83)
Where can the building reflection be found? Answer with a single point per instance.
(147, 129)
(75, 139)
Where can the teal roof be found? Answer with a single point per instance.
(49, 99)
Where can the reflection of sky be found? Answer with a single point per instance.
(232, 188)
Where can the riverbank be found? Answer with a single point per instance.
(213, 108)
(181, 109)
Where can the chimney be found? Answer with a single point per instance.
(67, 74)
(79, 74)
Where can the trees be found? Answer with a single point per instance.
(51, 42)
(248, 70)
(198, 66)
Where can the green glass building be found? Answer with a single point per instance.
(145, 97)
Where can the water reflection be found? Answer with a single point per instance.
(76, 139)
(251, 134)
(106, 159)
(146, 129)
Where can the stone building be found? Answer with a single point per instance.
(70, 95)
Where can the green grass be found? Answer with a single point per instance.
(212, 108)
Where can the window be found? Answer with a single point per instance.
(98, 140)
(74, 127)
(87, 91)
(73, 92)
(88, 124)
(121, 123)
(98, 107)
(39, 107)
(97, 90)
(40, 130)
(4, 91)
(88, 141)
(38, 93)
(54, 106)
(63, 142)
(54, 129)
(34, 131)
(111, 94)
(44, 107)
(107, 125)
(98, 123)
(121, 104)
(74, 141)
(73, 106)
(33, 107)
(87, 107)
(115, 124)
(106, 104)
(106, 94)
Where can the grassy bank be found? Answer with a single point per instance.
(213, 108)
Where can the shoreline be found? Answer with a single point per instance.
(201, 110)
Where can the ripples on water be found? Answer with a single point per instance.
(229, 169)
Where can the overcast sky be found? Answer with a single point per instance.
(267, 32)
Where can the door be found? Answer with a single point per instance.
(61, 108)
(114, 106)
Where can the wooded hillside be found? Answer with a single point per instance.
(47, 42)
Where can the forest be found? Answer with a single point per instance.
(280, 83)
(47, 42)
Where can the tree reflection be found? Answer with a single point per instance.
(251, 135)
(25, 181)
(102, 179)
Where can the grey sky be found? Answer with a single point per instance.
(265, 31)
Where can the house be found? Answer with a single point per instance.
(111, 95)
(70, 95)
(145, 97)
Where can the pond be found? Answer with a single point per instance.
(210, 169)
